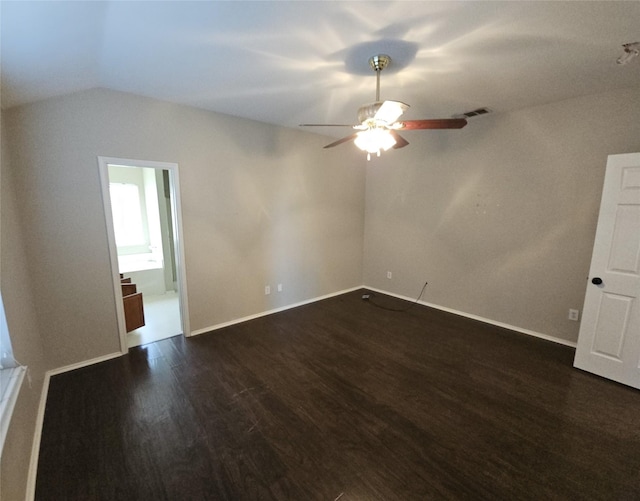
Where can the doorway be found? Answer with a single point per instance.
(144, 229)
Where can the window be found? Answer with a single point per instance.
(135, 211)
(127, 214)
(11, 376)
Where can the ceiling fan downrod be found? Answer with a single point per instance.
(379, 63)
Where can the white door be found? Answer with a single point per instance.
(609, 340)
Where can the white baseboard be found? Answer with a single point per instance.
(37, 436)
(479, 318)
(84, 363)
(270, 312)
(515, 328)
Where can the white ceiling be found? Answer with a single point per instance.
(290, 62)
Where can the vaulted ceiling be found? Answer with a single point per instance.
(289, 62)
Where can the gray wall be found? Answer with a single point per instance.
(500, 216)
(20, 309)
(261, 205)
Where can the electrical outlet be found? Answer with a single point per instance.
(279, 287)
(389, 275)
(267, 290)
(573, 315)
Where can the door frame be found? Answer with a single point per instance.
(178, 243)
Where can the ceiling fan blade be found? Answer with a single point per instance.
(390, 111)
(401, 142)
(343, 140)
(325, 125)
(436, 123)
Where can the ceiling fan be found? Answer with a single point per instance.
(379, 125)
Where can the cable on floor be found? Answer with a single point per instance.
(367, 297)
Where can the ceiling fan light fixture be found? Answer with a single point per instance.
(373, 140)
(379, 120)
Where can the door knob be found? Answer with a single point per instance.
(596, 280)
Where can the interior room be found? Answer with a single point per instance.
(480, 215)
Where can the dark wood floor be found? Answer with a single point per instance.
(339, 399)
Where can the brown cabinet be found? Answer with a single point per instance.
(133, 307)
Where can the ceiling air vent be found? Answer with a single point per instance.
(474, 113)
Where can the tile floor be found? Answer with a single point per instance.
(162, 320)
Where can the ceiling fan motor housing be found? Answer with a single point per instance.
(368, 111)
